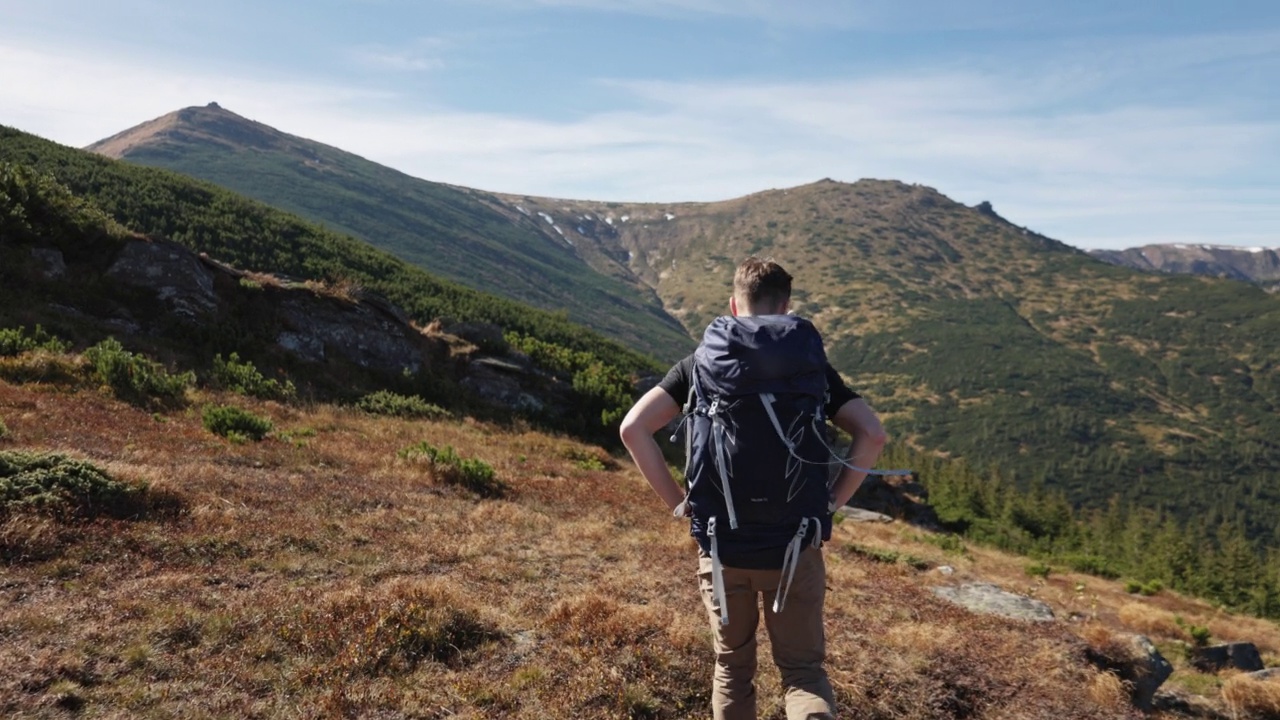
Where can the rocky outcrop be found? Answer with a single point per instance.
(317, 327)
(1239, 656)
(992, 600)
(897, 497)
(1136, 661)
(177, 276)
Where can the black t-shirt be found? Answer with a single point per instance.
(676, 384)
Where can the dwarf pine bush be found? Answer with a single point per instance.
(15, 341)
(135, 377)
(53, 484)
(385, 402)
(235, 424)
(243, 378)
(447, 466)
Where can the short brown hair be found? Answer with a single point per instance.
(762, 284)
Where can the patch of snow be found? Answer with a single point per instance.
(557, 229)
(587, 217)
(521, 209)
(1256, 249)
(581, 231)
(669, 216)
(1180, 246)
(609, 220)
(631, 255)
(546, 217)
(626, 218)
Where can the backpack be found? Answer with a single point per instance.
(756, 454)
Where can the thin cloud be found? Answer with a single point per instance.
(1118, 174)
(422, 55)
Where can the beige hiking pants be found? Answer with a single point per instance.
(795, 634)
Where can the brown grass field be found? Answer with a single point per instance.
(317, 574)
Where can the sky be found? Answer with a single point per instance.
(1101, 124)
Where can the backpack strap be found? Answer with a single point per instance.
(717, 573)
(792, 558)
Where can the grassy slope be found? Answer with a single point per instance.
(988, 342)
(250, 235)
(303, 570)
(450, 231)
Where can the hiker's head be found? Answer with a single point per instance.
(760, 287)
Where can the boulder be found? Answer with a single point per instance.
(319, 326)
(176, 275)
(52, 264)
(859, 515)
(1136, 661)
(1239, 656)
(992, 600)
(1270, 674)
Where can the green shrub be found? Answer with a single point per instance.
(53, 484)
(244, 378)
(4, 430)
(447, 466)
(15, 341)
(1037, 569)
(42, 366)
(385, 402)
(1133, 587)
(1151, 588)
(235, 424)
(136, 378)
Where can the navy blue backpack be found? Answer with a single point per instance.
(757, 458)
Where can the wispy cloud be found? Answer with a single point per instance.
(422, 55)
(1048, 149)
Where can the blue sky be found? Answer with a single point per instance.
(1101, 124)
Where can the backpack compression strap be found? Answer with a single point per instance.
(792, 558)
(717, 573)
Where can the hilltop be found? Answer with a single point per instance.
(450, 231)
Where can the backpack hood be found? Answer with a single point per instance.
(762, 353)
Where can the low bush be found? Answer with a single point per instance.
(449, 467)
(243, 378)
(235, 424)
(42, 366)
(385, 402)
(136, 378)
(1037, 569)
(4, 430)
(53, 484)
(15, 341)
(1150, 588)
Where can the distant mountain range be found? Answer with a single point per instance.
(975, 337)
(1252, 264)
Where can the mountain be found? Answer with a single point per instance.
(450, 231)
(1253, 264)
(976, 338)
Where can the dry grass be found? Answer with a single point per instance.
(1248, 697)
(317, 575)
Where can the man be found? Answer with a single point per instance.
(761, 291)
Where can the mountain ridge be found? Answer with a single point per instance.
(443, 228)
(977, 338)
(1258, 265)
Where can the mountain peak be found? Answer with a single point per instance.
(201, 124)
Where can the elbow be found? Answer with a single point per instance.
(876, 437)
(629, 431)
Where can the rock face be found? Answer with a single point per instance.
(1239, 656)
(318, 327)
(178, 277)
(1135, 660)
(992, 600)
(896, 497)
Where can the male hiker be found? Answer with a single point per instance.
(754, 396)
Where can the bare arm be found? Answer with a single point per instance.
(860, 421)
(649, 415)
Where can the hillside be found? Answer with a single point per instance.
(194, 539)
(450, 231)
(996, 345)
(1256, 265)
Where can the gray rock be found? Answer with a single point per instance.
(1270, 675)
(859, 515)
(1240, 656)
(321, 326)
(175, 274)
(54, 266)
(1146, 669)
(991, 600)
